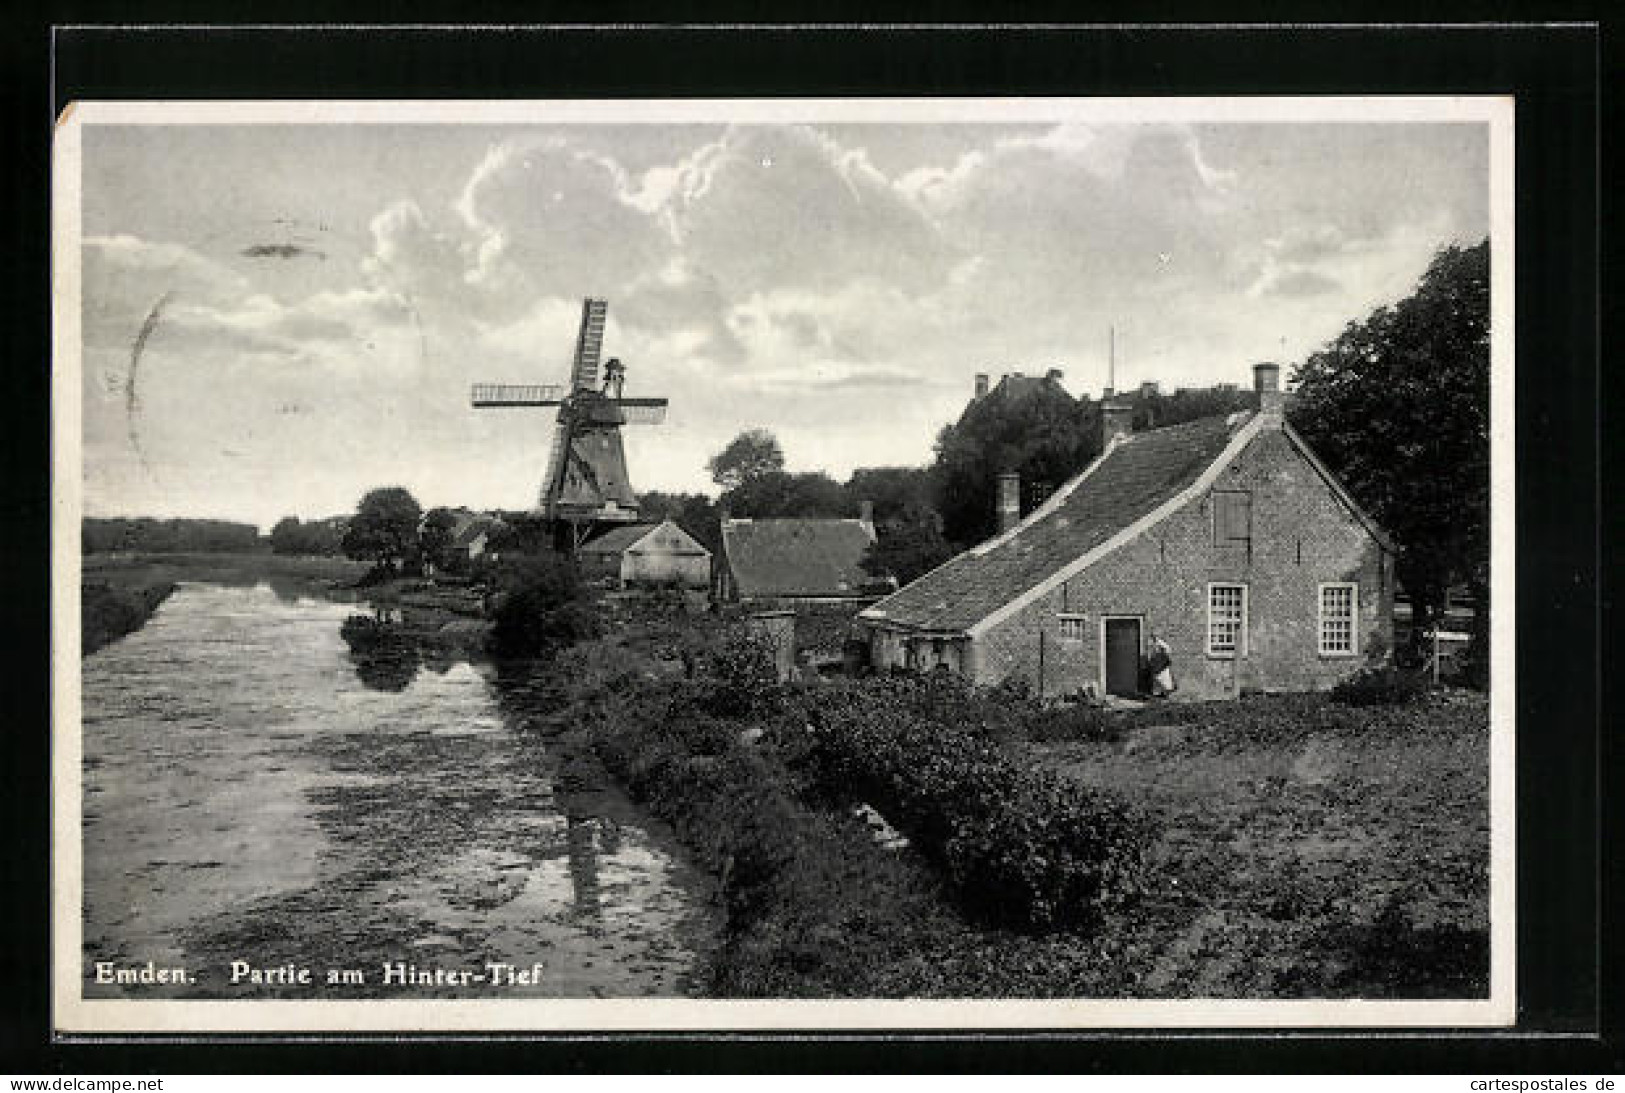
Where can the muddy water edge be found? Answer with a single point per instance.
(275, 780)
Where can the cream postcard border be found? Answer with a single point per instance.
(74, 1014)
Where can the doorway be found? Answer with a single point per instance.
(1120, 644)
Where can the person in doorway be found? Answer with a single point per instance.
(1160, 666)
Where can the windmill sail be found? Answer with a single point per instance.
(516, 394)
(589, 345)
(555, 466)
(583, 376)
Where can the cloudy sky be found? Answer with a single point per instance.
(311, 302)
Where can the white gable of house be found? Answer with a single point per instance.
(668, 538)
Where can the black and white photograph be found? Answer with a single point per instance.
(797, 563)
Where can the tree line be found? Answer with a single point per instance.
(100, 535)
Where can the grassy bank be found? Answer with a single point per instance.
(120, 592)
(1291, 847)
(241, 570)
(108, 612)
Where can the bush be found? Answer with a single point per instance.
(744, 675)
(541, 607)
(1380, 687)
(1021, 848)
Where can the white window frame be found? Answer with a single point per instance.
(1241, 631)
(1321, 618)
(1074, 619)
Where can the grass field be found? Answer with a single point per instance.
(230, 569)
(1308, 847)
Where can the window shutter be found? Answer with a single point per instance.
(1232, 517)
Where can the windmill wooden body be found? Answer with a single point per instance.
(586, 483)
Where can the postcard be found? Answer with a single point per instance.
(906, 564)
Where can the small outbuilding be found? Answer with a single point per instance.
(647, 554)
(472, 533)
(1226, 537)
(796, 561)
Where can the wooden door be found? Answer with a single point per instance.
(1123, 657)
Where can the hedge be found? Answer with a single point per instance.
(1024, 848)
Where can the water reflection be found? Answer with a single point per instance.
(525, 691)
(333, 826)
(385, 656)
(288, 588)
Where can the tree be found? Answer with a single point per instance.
(908, 544)
(540, 606)
(1399, 407)
(1155, 410)
(895, 492)
(291, 536)
(384, 530)
(1041, 433)
(908, 528)
(520, 533)
(695, 513)
(287, 537)
(809, 495)
(748, 456)
(435, 540)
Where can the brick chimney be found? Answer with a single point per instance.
(1116, 419)
(1267, 382)
(981, 385)
(1054, 375)
(1009, 500)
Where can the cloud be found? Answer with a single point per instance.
(1301, 282)
(281, 250)
(552, 219)
(770, 207)
(678, 297)
(837, 285)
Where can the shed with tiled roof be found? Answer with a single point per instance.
(1224, 537)
(777, 560)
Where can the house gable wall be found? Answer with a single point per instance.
(661, 566)
(1302, 536)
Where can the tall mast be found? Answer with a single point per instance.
(1111, 359)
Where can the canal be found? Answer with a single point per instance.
(273, 780)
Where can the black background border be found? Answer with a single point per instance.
(1568, 999)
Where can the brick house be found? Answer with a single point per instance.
(1225, 536)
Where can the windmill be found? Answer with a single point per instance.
(586, 482)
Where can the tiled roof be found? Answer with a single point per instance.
(1129, 482)
(617, 539)
(797, 557)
